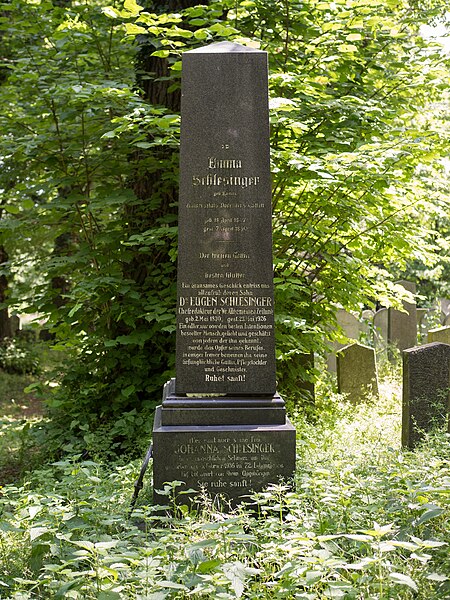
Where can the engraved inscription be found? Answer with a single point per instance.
(226, 462)
(225, 313)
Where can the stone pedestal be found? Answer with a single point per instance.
(226, 446)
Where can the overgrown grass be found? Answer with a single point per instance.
(367, 521)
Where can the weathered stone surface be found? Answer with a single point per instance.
(248, 410)
(226, 460)
(357, 372)
(445, 305)
(351, 328)
(426, 384)
(366, 326)
(440, 334)
(225, 331)
(380, 325)
(402, 326)
(15, 324)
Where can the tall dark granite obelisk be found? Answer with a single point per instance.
(222, 426)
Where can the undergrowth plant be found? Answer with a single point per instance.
(367, 520)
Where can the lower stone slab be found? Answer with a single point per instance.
(227, 460)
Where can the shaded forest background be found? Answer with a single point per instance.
(89, 136)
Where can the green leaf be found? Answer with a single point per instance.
(208, 565)
(133, 29)
(12, 209)
(401, 579)
(27, 204)
(132, 7)
(161, 53)
(431, 513)
(128, 391)
(110, 12)
(172, 585)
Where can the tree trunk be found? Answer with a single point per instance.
(148, 185)
(5, 322)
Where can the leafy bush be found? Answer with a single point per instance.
(18, 356)
(367, 520)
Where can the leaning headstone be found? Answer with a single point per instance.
(440, 334)
(402, 326)
(426, 384)
(357, 372)
(351, 328)
(222, 427)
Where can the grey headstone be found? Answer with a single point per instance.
(225, 331)
(426, 384)
(351, 328)
(366, 326)
(357, 372)
(15, 324)
(422, 324)
(402, 326)
(221, 425)
(440, 334)
(367, 314)
(447, 320)
(380, 325)
(445, 305)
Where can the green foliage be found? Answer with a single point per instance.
(90, 166)
(366, 521)
(18, 356)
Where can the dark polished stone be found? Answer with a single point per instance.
(225, 328)
(230, 461)
(222, 427)
(426, 385)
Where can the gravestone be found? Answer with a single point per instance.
(423, 324)
(380, 326)
(444, 305)
(366, 326)
(426, 384)
(446, 321)
(402, 326)
(357, 372)
(15, 324)
(351, 328)
(222, 426)
(440, 334)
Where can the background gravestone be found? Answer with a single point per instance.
(380, 326)
(351, 328)
(440, 334)
(221, 426)
(402, 326)
(444, 304)
(426, 384)
(366, 326)
(357, 372)
(422, 325)
(15, 324)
